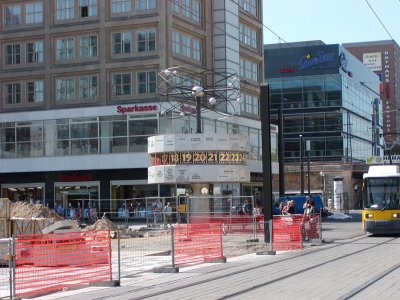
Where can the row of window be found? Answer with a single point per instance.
(107, 134)
(80, 87)
(66, 10)
(32, 12)
(71, 48)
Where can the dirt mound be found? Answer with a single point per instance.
(103, 224)
(26, 210)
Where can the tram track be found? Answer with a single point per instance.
(173, 286)
(351, 294)
(370, 282)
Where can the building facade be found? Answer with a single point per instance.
(383, 58)
(328, 99)
(78, 87)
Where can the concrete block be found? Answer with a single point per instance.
(61, 225)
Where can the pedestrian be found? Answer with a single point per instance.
(308, 212)
(330, 203)
(246, 208)
(157, 207)
(168, 214)
(282, 208)
(291, 209)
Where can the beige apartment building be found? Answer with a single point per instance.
(78, 84)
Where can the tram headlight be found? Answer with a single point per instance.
(368, 216)
(396, 215)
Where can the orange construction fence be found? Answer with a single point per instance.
(287, 232)
(232, 223)
(196, 243)
(312, 227)
(50, 262)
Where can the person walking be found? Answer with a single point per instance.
(168, 214)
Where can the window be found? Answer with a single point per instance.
(248, 69)
(65, 49)
(120, 6)
(34, 91)
(121, 42)
(65, 88)
(121, 84)
(64, 9)
(12, 15)
(196, 54)
(248, 36)
(249, 6)
(185, 45)
(34, 52)
(88, 8)
(187, 8)
(88, 87)
(146, 40)
(34, 12)
(13, 54)
(145, 4)
(88, 46)
(250, 104)
(146, 82)
(13, 93)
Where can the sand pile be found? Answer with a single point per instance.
(26, 210)
(103, 224)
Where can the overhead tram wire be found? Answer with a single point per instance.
(281, 39)
(376, 15)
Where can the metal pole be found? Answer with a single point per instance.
(119, 256)
(301, 166)
(266, 157)
(198, 114)
(308, 148)
(281, 154)
(172, 247)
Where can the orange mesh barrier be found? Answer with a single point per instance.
(287, 232)
(197, 243)
(230, 223)
(311, 227)
(50, 262)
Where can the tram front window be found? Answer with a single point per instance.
(382, 193)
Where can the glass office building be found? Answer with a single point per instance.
(326, 96)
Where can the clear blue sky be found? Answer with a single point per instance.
(333, 22)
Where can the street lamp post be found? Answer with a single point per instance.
(301, 166)
(197, 93)
(322, 174)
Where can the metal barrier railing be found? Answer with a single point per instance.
(45, 263)
(50, 262)
(289, 231)
(196, 243)
(6, 269)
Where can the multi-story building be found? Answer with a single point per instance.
(328, 99)
(78, 91)
(383, 58)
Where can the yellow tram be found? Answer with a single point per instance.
(381, 200)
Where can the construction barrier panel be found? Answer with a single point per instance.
(196, 243)
(312, 227)
(231, 223)
(287, 232)
(50, 262)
